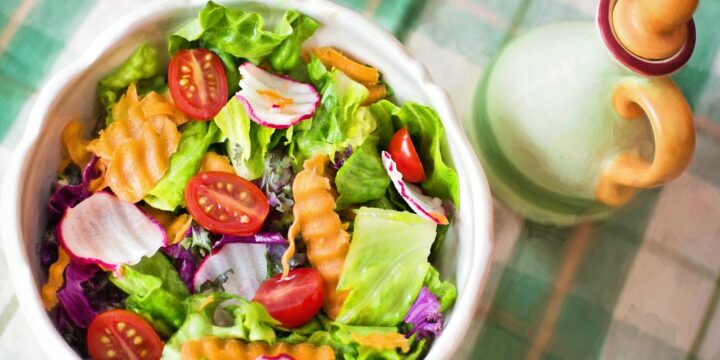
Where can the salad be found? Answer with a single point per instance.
(255, 198)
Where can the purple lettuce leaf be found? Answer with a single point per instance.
(263, 237)
(73, 299)
(67, 196)
(48, 249)
(341, 157)
(185, 263)
(424, 316)
(276, 182)
(275, 253)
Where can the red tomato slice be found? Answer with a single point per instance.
(225, 203)
(121, 334)
(403, 152)
(197, 83)
(293, 300)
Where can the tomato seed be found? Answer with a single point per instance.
(130, 333)
(105, 339)
(110, 353)
(185, 69)
(219, 185)
(121, 326)
(202, 200)
(229, 187)
(244, 219)
(208, 57)
(138, 340)
(243, 195)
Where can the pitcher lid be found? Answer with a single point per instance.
(654, 42)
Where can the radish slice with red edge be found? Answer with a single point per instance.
(423, 205)
(275, 101)
(248, 263)
(110, 232)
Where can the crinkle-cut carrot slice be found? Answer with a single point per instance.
(215, 162)
(55, 280)
(138, 164)
(332, 58)
(129, 115)
(324, 235)
(175, 226)
(135, 149)
(130, 99)
(213, 348)
(389, 341)
(75, 143)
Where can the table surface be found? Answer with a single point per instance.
(642, 285)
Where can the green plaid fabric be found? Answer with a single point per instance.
(642, 285)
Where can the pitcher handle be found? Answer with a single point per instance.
(672, 125)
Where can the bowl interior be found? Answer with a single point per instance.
(72, 96)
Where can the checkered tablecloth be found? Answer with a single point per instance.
(643, 285)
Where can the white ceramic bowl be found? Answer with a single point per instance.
(70, 95)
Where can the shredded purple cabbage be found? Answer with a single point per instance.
(67, 196)
(268, 238)
(341, 157)
(184, 263)
(425, 316)
(72, 298)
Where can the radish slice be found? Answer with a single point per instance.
(110, 232)
(423, 205)
(248, 263)
(275, 101)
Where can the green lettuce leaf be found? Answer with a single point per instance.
(248, 142)
(340, 338)
(232, 73)
(336, 124)
(382, 267)
(242, 34)
(444, 290)
(221, 315)
(143, 67)
(428, 135)
(155, 291)
(319, 323)
(382, 111)
(363, 177)
(287, 55)
(195, 139)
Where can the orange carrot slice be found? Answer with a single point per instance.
(332, 58)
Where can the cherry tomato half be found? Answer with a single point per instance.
(403, 152)
(121, 334)
(226, 203)
(294, 300)
(197, 83)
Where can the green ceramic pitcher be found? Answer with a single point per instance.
(572, 119)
